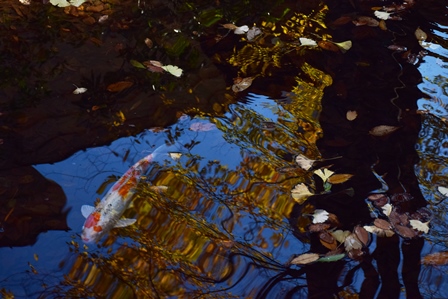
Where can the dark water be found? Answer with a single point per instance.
(217, 218)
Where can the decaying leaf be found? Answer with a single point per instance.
(137, 64)
(300, 193)
(382, 130)
(376, 196)
(351, 115)
(443, 190)
(378, 231)
(420, 226)
(340, 235)
(320, 216)
(420, 34)
(339, 178)
(305, 259)
(240, 84)
(324, 173)
(352, 242)
(362, 234)
(307, 42)
(119, 86)
(383, 224)
(173, 70)
(79, 90)
(355, 254)
(436, 259)
(387, 209)
(152, 66)
(306, 163)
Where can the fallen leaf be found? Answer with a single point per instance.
(241, 30)
(420, 34)
(320, 216)
(387, 209)
(405, 231)
(436, 258)
(420, 226)
(382, 15)
(351, 115)
(252, 33)
(339, 178)
(241, 84)
(318, 227)
(382, 130)
(340, 235)
(307, 42)
(378, 231)
(383, 224)
(173, 70)
(355, 254)
(362, 234)
(324, 174)
(230, 26)
(119, 86)
(332, 258)
(376, 196)
(364, 20)
(137, 64)
(153, 66)
(352, 242)
(306, 163)
(149, 42)
(443, 190)
(202, 127)
(397, 48)
(175, 156)
(327, 45)
(305, 259)
(382, 25)
(344, 46)
(300, 193)
(79, 90)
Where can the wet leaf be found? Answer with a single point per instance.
(320, 216)
(318, 227)
(405, 231)
(364, 20)
(329, 46)
(202, 127)
(300, 193)
(329, 245)
(241, 30)
(324, 173)
(342, 20)
(241, 84)
(230, 26)
(362, 235)
(344, 46)
(79, 90)
(307, 42)
(339, 178)
(387, 209)
(153, 66)
(352, 242)
(119, 86)
(382, 130)
(436, 258)
(137, 64)
(382, 15)
(397, 48)
(305, 259)
(383, 224)
(443, 190)
(420, 226)
(148, 42)
(306, 163)
(420, 34)
(252, 33)
(175, 156)
(351, 115)
(332, 258)
(382, 25)
(376, 196)
(173, 70)
(340, 235)
(378, 231)
(326, 237)
(355, 254)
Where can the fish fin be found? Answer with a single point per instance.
(86, 210)
(125, 222)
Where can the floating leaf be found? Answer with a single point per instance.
(119, 86)
(352, 242)
(307, 42)
(149, 43)
(241, 30)
(79, 90)
(137, 64)
(305, 259)
(382, 25)
(300, 193)
(339, 178)
(378, 231)
(202, 127)
(324, 174)
(405, 231)
(175, 156)
(173, 70)
(383, 224)
(382, 15)
(420, 34)
(351, 115)
(436, 259)
(154, 66)
(241, 84)
(329, 46)
(376, 196)
(355, 254)
(318, 227)
(387, 209)
(383, 130)
(230, 26)
(320, 216)
(340, 235)
(252, 33)
(306, 163)
(332, 258)
(363, 20)
(443, 190)
(420, 226)
(60, 3)
(362, 234)
(344, 46)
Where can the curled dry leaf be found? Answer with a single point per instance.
(378, 231)
(382, 130)
(119, 86)
(305, 259)
(436, 259)
(304, 162)
(339, 178)
(351, 115)
(240, 84)
(383, 224)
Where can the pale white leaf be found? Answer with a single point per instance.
(304, 162)
(175, 156)
(382, 15)
(241, 30)
(344, 46)
(379, 231)
(443, 190)
(173, 70)
(324, 173)
(351, 115)
(420, 226)
(77, 3)
(320, 216)
(60, 3)
(307, 42)
(387, 209)
(79, 90)
(252, 33)
(202, 127)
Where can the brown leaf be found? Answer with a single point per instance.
(405, 231)
(378, 231)
(329, 46)
(326, 237)
(436, 258)
(241, 84)
(355, 254)
(382, 25)
(420, 35)
(317, 227)
(333, 219)
(339, 178)
(383, 224)
(342, 20)
(383, 130)
(304, 259)
(230, 26)
(376, 196)
(352, 242)
(363, 20)
(119, 86)
(362, 234)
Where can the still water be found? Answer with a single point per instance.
(226, 207)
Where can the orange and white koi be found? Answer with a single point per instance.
(106, 215)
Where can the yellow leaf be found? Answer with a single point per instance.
(173, 70)
(300, 193)
(324, 174)
(339, 178)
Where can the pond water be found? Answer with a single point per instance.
(287, 166)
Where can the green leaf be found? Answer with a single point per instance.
(332, 258)
(137, 64)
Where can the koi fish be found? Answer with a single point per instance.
(107, 214)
